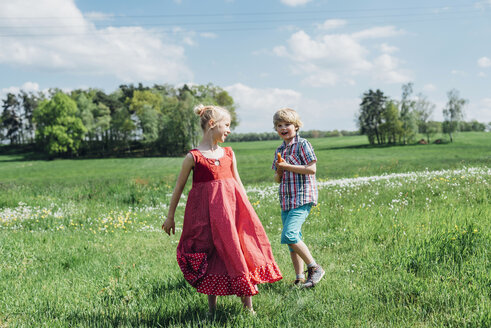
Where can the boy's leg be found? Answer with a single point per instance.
(297, 263)
(291, 235)
(302, 251)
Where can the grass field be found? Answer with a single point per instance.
(403, 232)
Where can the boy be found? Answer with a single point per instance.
(295, 172)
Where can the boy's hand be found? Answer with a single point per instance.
(282, 166)
(280, 161)
(169, 225)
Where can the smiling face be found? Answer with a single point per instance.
(221, 129)
(287, 131)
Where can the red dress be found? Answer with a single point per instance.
(223, 248)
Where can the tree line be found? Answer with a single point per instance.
(156, 120)
(255, 136)
(388, 121)
(159, 120)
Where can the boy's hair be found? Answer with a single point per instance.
(287, 115)
(207, 113)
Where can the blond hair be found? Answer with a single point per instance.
(287, 115)
(208, 113)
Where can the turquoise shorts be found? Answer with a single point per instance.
(292, 224)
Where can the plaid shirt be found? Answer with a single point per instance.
(296, 189)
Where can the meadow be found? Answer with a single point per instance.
(404, 234)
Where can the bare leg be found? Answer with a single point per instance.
(247, 302)
(303, 251)
(297, 263)
(212, 303)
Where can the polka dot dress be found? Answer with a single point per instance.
(223, 249)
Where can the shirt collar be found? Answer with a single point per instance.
(294, 141)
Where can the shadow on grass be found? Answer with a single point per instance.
(168, 303)
(367, 146)
(21, 156)
(186, 316)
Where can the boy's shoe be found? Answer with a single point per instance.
(315, 275)
(299, 281)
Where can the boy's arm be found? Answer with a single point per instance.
(309, 168)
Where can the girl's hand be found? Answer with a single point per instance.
(169, 225)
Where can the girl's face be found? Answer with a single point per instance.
(222, 129)
(287, 131)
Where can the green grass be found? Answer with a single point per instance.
(84, 246)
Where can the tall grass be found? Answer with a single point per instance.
(81, 244)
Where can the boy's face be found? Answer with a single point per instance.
(287, 131)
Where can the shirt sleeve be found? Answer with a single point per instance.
(275, 158)
(307, 152)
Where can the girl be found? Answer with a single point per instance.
(223, 248)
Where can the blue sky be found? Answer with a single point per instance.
(316, 56)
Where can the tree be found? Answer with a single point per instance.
(453, 113)
(391, 127)
(423, 110)
(11, 120)
(147, 105)
(477, 126)
(59, 129)
(212, 95)
(407, 116)
(85, 108)
(370, 115)
(30, 102)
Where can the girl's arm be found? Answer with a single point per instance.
(310, 168)
(278, 175)
(169, 224)
(236, 172)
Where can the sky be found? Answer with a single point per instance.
(315, 56)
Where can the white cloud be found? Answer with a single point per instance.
(483, 4)
(208, 35)
(257, 106)
(484, 62)
(331, 24)
(327, 59)
(71, 43)
(481, 74)
(387, 49)
(294, 3)
(441, 10)
(480, 111)
(387, 69)
(97, 16)
(458, 72)
(27, 87)
(377, 33)
(429, 87)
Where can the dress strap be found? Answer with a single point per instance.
(195, 152)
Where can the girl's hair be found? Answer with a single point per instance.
(287, 115)
(207, 113)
